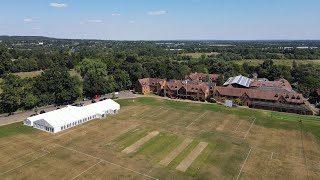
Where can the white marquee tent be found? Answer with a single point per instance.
(70, 116)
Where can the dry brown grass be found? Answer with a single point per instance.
(91, 148)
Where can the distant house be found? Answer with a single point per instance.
(282, 101)
(194, 92)
(172, 87)
(202, 77)
(147, 85)
(238, 81)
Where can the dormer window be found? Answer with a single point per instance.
(298, 97)
(276, 95)
(287, 97)
(293, 97)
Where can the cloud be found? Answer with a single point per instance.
(116, 14)
(58, 5)
(36, 28)
(157, 13)
(28, 20)
(132, 22)
(95, 21)
(98, 21)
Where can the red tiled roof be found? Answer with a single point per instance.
(281, 83)
(261, 94)
(174, 85)
(200, 76)
(149, 81)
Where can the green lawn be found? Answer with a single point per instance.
(37, 73)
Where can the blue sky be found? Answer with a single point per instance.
(162, 19)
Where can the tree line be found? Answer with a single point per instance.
(114, 67)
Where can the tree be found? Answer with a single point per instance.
(57, 86)
(92, 66)
(97, 85)
(122, 80)
(12, 92)
(220, 80)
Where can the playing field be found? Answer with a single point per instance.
(151, 138)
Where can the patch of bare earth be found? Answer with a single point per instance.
(134, 147)
(173, 154)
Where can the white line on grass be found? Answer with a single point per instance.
(114, 164)
(271, 155)
(238, 126)
(151, 113)
(18, 158)
(197, 119)
(23, 164)
(140, 112)
(42, 149)
(244, 164)
(87, 169)
(249, 129)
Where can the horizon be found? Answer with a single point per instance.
(178, 20)
(151, 40)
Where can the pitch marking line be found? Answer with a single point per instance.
(141, 112)
(196, 119)
(238, 126)
(19, 158)
(114, 164)
(151, 113)
(87, 170)
(249, 129)
(47, 152)
(244, 163)
(284, 155)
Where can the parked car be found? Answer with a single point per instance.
(42, 111)
(93, 101)
(103, 99)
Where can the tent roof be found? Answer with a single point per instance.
(70, 114)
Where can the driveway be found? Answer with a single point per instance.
(20, 116)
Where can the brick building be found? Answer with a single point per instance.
(202, 77)
(147, 85)
(268, 99)
(275, 95)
